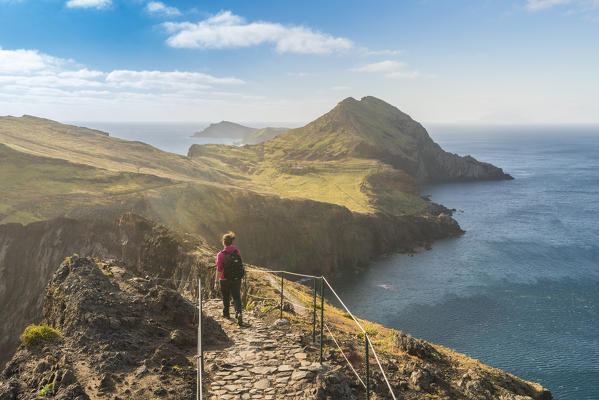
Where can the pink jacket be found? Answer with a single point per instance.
(220, 259)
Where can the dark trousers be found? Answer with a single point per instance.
(231, 288)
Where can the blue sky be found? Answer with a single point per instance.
(519, 61)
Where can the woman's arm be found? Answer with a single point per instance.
(219, 267)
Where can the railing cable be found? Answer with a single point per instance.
(297, 305)
(365, 334)
(343, 354)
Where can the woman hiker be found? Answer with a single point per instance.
(229, 271)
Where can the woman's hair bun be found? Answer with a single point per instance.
(228, 238)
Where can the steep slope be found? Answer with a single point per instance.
(121, 336)
(37, 188)
(29, 255)
(52, 139)
(373, 129)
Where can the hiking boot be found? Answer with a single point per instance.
(239, 319)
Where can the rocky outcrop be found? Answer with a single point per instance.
(388, 134)
(29, 255)
(121, 336)
(436, 165)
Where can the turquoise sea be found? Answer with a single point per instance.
(520, 290)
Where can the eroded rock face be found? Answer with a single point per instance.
(414, 346)
(120, 335)
(332, 385)
(323, 238)
(30, 254)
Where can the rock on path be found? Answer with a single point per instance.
(263, 362)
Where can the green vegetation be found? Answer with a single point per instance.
(35, 334)
(266, 309)
(341, 158)
(42, 137)
(36, 188)
(47, 390)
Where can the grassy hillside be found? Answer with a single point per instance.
(48, 138)
(36, 188)
(346, 182)
(338, 158)
(290, 207)
(365, 155)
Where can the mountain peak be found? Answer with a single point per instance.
(371, 128)
(370, 106)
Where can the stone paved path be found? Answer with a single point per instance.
(264, 362)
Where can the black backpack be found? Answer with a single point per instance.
(233, 266)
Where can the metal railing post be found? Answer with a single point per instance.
(321, 316)
(367, 369)
(314, 314)
(282, 280)
(200, 350)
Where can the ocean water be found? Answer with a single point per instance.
(174, 137)
(169, 136)
(520, 290)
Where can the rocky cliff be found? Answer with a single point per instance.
(119, 336)
(299, 234)
(30, 254)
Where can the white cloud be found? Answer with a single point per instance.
(385, 52)
(405, 75)
(89, 3)
(157, 7)
(26, 61)
(587, 8)
(536, 5)
(29, 77)
(174, 80)
(392, 69)
(226, 30)
(382, 66)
